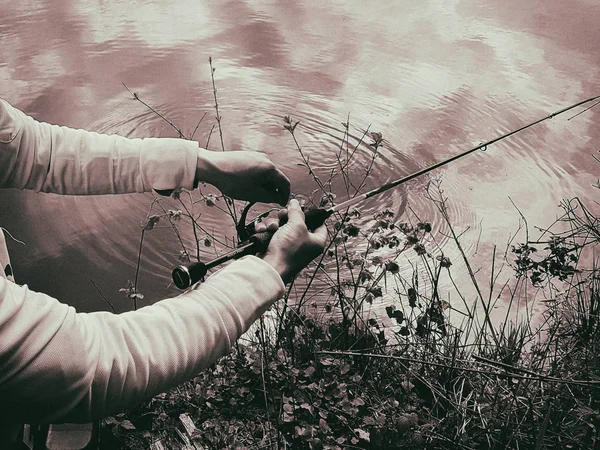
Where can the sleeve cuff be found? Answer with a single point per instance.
(168, 163)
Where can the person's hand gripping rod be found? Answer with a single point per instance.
(185, 276)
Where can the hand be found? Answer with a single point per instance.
(293, 246)
(243, 175)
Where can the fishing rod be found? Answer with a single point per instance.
(185, 276)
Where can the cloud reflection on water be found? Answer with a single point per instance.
(435, 77)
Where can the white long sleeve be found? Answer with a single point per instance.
(50, 158)
(58, 365)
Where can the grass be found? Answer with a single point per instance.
(330, 375)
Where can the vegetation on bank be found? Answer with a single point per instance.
(331, 375)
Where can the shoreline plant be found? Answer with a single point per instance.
(333, 375)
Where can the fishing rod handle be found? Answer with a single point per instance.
(187, 275)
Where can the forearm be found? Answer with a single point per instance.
(57, 365)
(49, 158)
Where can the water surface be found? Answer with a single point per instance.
(434, 78)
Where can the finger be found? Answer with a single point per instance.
(274, 188)
(295, 214)
(273, 227)
(281, 185)
(269, 193)
(263, 193)
(259, 227)
(320, 235)
(282, 215)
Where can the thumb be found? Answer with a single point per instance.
(294, 212)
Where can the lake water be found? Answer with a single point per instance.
(435, 77)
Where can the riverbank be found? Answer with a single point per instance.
(335, 378)
(440, 371)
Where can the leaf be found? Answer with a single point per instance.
(309, 371)
(151, 222)
(392, 267)
(126, 424)
(425, 226)
(407, 385)
(111, 421)
(175, 216)
(211, 200)
(444, 261)
(390, 311)
(323, 425)
(243, 390)
(362, 434)
(412, 297)
(184, 256)
(420, 249)
(376, 136)
(327, 361)
(358, 401)
(351, 230)
(376, 291)
(399, 316)
(306, 406)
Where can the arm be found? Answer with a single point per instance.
(50, 158)
(58, 365)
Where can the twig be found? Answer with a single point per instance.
(137, 269)
(209, 135)
(218, 116)
(11, 236)
(230, 208)
(103, 297)
(137, 97)
(539, 376)
(197, 125)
